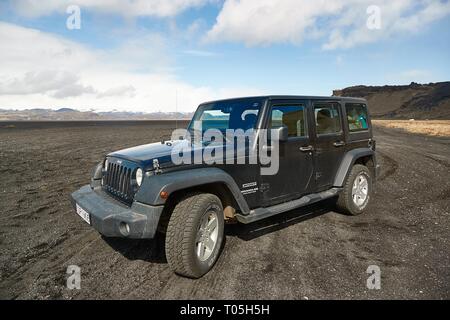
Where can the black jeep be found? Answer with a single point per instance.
(253, 158)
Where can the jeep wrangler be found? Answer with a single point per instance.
(325, 149)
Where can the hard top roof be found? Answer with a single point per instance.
(292, 97)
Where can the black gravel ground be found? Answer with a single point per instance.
(311, 253)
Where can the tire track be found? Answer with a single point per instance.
(405, 231)
(392, 166)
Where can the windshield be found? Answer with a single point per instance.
(230, 114)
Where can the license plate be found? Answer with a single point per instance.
(83, 214)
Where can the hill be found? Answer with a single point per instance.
(418, 101)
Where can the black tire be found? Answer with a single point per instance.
(182, 232)
(345, 201)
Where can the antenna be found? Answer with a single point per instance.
(176, 108)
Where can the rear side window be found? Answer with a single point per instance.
(327, 118)
(291, 116)
(356, 116)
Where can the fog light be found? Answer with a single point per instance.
(124, 229)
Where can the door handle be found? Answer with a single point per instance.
(267, 148)
(339, 143)
(306, 149)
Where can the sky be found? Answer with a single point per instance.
(171, 55)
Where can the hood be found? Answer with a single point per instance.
(145, 154)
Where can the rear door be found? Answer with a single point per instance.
(295, 155)
(357, 125)
(329, 144)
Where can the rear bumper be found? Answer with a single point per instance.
(112, 219)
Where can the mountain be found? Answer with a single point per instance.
(66, 114)
(65, 110)
(418, 101)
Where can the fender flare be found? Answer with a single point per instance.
(178, 180)
(347, 162)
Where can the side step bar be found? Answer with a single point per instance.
(262, 213)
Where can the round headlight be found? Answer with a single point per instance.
(106, 165)
(139, 176)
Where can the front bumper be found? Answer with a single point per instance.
(112, 219)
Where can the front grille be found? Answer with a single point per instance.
(118, 182)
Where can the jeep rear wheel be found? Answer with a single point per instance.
(195, 234)
(357, 191)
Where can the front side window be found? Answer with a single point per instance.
(356, 116)
(291, 116)
(327, 118)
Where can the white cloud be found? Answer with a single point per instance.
(73, 90)
(397, 17)
(130, 8)
(118, 91)
(340, 23)
(199, 53)
(268, 21)
(43, 70)
(59, 84)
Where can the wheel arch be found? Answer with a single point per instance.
(178, 183)
(363, 156)
(219, 189)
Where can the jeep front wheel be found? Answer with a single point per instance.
(195, 234)
(357, 191)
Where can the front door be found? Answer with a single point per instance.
(329, 143)
(295, 156)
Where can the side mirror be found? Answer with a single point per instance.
(281, 133)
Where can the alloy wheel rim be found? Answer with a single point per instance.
(207, 235)
(360, 190)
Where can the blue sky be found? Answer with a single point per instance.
(139, 55)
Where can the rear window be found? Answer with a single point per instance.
(356, 117)
(327, 118)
